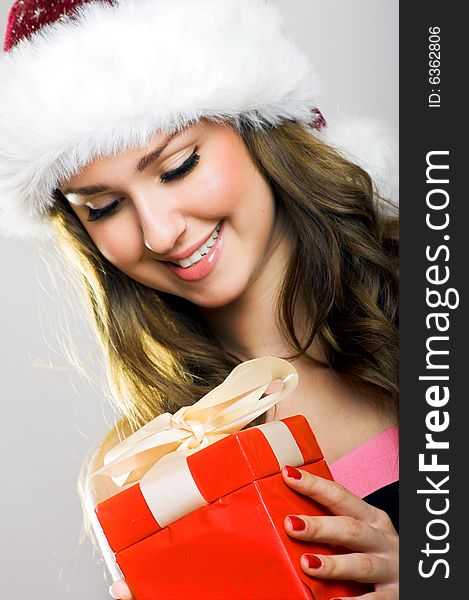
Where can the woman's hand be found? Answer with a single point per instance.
(358, 526)
(120, 590)
(365, 530)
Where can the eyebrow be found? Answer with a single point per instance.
(142, 164)
(150, 158)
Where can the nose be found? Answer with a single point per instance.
(161, 221)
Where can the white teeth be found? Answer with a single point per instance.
(185, 262)
(200, 252)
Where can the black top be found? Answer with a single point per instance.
(387, 498)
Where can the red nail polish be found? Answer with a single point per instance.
(313, 561)
(297, 524)
(293, 473)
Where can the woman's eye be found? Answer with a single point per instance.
(94, 214)
(182, 170)
(98, 213)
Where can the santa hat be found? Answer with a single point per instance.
(86, 78)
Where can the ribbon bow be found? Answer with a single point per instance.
(227, 408)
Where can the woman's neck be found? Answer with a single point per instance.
(341, 415)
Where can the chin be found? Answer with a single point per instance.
(215, 300)
(213, 303)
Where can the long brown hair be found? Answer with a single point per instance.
(161, 354)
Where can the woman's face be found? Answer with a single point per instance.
(195, 199)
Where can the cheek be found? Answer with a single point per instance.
(120, 242)
(229, 181)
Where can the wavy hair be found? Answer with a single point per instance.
(343, 271)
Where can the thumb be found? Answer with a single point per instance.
(120, 590)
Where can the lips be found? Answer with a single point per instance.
(201, 251)
(195, 247)
(204, 266)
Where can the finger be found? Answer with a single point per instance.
(388, 594)
(330, 494)
(341, 531)
(120, 590)
(367, 568)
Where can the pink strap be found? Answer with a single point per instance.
(371, 466)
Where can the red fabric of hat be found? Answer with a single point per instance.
(87, 78)
(29, 16)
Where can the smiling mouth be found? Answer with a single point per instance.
(199, 254)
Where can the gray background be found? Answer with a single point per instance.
(51, 414)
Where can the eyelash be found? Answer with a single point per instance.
(182, 170)
(94, 214)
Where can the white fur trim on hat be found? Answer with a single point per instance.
(106, 81)
(371, 144)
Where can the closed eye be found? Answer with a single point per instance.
(182, 170)
(94, 214)
(98, 213)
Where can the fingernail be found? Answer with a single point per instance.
(111, 592)
(313, 561)
(297, 524)
(293, 473)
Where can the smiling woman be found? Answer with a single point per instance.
(149, 210)
(214, 217)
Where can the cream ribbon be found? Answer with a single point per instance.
(227, 408)
(283, 444)
(169, 488)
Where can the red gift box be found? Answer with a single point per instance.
(234, 545)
